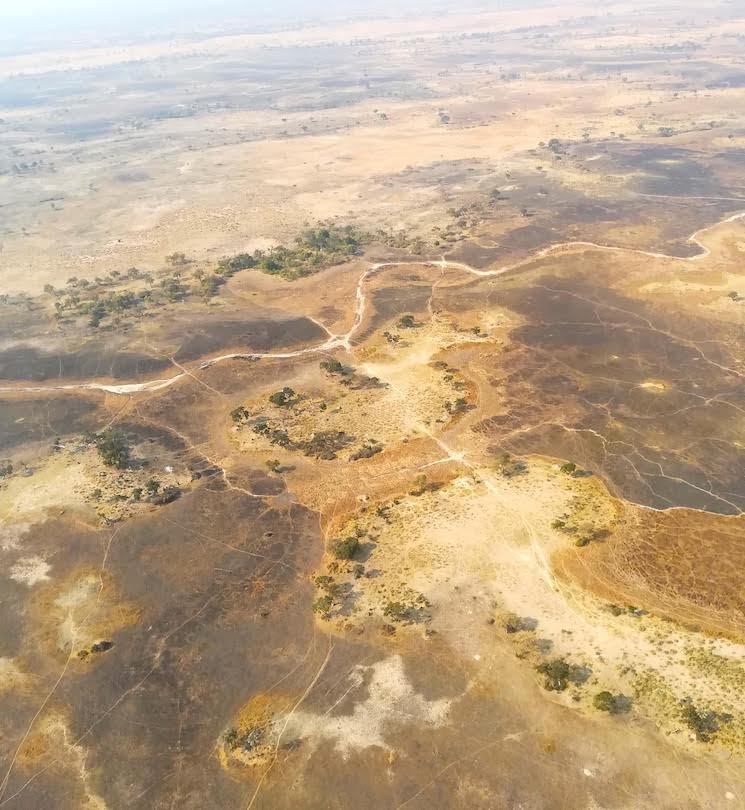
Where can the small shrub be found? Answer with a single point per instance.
(704, 724)
(332, 367)
(283, 398)
(167, 495)
(231, 738)
(323, 604)
(422, 485)
(239, 414)
(396, 611)
(557, 674)
(366, 451)
(605, 702)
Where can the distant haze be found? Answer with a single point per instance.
(22, 21)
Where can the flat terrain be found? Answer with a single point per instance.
(371, 414)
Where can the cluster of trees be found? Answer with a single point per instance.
(113, 447)
(324, 444)
(246, 740)
(313, 250)
(100, 304)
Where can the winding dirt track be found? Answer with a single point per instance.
(344, 341)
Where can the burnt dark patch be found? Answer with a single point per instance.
(32, 419)
(29, 363)
(259, 335)
(389, 302)
(625, 391)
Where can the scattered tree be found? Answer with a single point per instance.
(284, 398)
(346, 547)
(608, 702)
(557, 674)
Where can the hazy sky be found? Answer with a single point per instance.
(26, 25)
(24, 21)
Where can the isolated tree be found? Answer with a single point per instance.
(557, 674)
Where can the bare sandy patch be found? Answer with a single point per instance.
(30, 571)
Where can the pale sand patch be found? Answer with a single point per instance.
(30, 571)
(484, 541)
(653, 385)
(391, 701)
(52, 739)
(10, 535)
(56, 483)
(11, 675)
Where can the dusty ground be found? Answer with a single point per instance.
(513, 435)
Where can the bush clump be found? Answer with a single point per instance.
(704, 724)
(367, 450)
(396, 611)
(323, 604)
(332, 367)
(612, 704)
(113, 448)
(346, 547)
(557, 674)
(284, 398)
(325, 444)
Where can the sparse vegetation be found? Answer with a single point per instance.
(422, 485)
(704, 724)
(246, 740)
(509, 467)
(368, 450)
(396, 611)
(325, 444)
(239, 415)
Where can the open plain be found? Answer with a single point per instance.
(372, 413)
